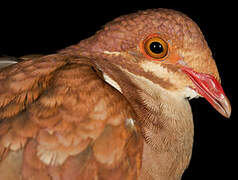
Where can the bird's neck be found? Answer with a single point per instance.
(166, 122)
(168, 131)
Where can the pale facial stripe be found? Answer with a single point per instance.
(112, 82)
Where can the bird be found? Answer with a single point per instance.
(113, 106)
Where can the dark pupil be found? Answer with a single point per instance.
(156, 47)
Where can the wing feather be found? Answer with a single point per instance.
(68, 122)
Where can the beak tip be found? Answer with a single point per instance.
(228, 114)
(226, 108)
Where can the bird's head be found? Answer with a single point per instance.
(165, 48)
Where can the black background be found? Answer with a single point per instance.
(45, 28)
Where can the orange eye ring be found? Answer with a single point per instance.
(155, 48)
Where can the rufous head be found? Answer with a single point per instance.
(164, 46)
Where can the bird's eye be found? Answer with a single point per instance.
(154, 47)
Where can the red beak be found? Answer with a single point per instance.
(207, 86)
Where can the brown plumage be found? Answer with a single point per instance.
(109, 107)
